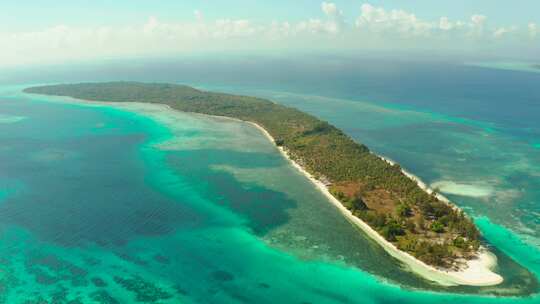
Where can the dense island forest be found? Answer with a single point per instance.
(372, 189)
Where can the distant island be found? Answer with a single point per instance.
(406, 219)
(536, 66)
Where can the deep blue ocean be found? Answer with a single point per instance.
(110, 204)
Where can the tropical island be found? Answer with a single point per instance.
(413, 223)
(536, 66)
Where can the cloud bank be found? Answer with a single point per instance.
(373, 28)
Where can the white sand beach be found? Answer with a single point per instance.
(476, 272)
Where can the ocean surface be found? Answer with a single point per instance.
(136, 203)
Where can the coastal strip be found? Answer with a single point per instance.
(476, 272)
(446, 250)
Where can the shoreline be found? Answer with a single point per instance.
(477, 272)
(418, 181)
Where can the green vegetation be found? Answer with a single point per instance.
(372, 189)
(404, 210)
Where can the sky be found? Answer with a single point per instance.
(44, 31)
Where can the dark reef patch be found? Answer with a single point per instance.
(98, 282)
(42, 277)
(91, 261)
(222, 276)
(103, 297)
(49, 269)
(161, 259)
(132, 259)
(181, 290)
(120, 209)
(144, 291)
(264, 209)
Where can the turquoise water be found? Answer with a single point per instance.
(482, 167)
(102, 204)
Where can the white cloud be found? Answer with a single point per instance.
(198, 15)
(375, 28)
(478, 20)
(379, 20)
(503, 31)
(477, 25)
(227, 28)
(533, 30)
(151, 25)
(333, 24)
(315, 26)
(330, 9)
(279, 30)
(445, 24)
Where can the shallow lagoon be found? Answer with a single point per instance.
(103, 204)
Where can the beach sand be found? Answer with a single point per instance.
(476, 272)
